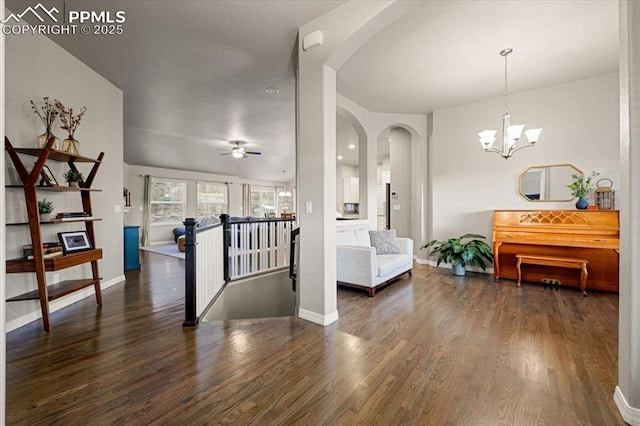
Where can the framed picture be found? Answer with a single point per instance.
(74, 241)
(48, 179)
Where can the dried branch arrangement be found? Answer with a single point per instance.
(47, 113)
(70, 121)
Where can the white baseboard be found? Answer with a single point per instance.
(631, 415)
(60, 303)
(318, 318)
(448, 266)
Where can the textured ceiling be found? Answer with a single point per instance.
(194, 73)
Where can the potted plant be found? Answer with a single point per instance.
(458, 253)
(580, 187)
(73, 177)
(45, 208)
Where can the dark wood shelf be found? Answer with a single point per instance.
(55, 221)
(21, 264)
(58, 188)
(57, 290)
(56, 155)
(30, 180)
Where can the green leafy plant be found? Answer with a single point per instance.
(581, 185)
(73, 175)
(45, 206)
(454, 251)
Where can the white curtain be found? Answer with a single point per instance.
(146, 218)
(246, 199)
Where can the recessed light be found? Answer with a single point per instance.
(271, 90)
(352, 146)
(340, 157)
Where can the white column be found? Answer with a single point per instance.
(344, 30)
(317, 188)
(3, 358)
(627, 393)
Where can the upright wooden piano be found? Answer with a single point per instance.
(593, 235)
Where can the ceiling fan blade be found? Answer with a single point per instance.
(223, 149)
(226, 153)
(253, 152)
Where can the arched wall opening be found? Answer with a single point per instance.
(352, 148)
(401, 159)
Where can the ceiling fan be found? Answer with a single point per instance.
(238, 150)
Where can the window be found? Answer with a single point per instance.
(262, 202)
(168, 201)
(212, 199)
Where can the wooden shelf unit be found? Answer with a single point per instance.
(55, 221)
(58, 188)
(39, 265)
(57, 290)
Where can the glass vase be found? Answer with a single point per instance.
(44, 138)
(71, 146)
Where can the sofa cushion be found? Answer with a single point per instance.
(384, 241)
(362, 235)
(346, 238)
(388, 263)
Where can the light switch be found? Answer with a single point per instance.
(117, 208)
(308, 207)
(396, 207)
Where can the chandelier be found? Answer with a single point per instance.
(284, 191)
(510, 134)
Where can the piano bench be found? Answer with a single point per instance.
(562, 262)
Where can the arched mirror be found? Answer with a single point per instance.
(548, 182)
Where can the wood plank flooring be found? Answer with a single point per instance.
(428, 349)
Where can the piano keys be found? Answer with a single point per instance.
(593, 235)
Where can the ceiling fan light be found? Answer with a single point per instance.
(237, 154)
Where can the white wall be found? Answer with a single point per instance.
(580, 122)
(400, 165)
(134, 182)
(37, 67)
(3, 361)
(627, 393)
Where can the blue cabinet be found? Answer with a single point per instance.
(131, 247)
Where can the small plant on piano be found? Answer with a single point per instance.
(581, 185)
(473, 252)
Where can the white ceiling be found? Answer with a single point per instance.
(447, 53)
(346, 135)
(194, 73)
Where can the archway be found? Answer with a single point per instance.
(352, 146)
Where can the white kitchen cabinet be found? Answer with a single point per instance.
(351, 189)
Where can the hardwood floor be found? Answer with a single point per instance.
(428, 349)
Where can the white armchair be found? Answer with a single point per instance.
(359, 266)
